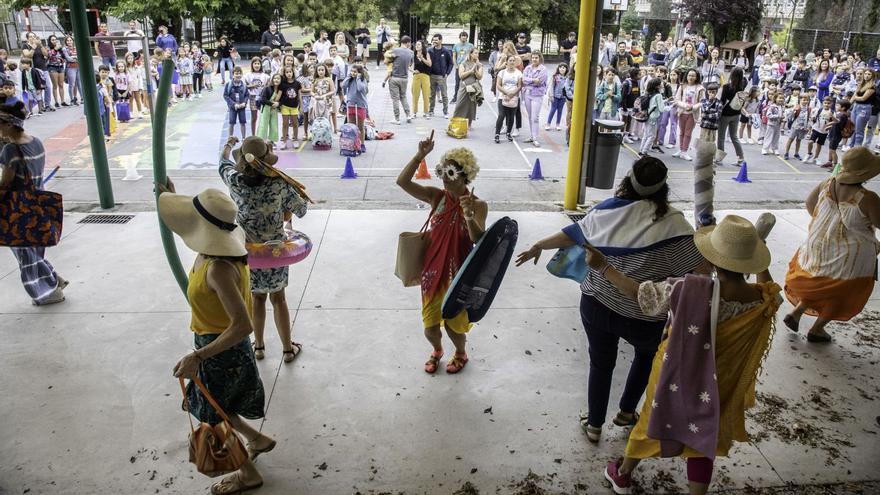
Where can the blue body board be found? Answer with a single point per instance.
(480, 276)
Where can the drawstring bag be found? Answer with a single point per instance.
(30, 217)
(215, 450)
(570, 263)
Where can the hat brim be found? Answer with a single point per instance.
(179, 214)
(270, 159)
(845, 177)
(757, 263)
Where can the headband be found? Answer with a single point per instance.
(644, 191)
(11, 119)
(220, 224)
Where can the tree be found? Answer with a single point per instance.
(724, 16)
(560, 17)
(630, 21)
(330, 15)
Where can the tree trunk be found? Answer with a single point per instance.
(473, 34)
(198, 27)
(411, 25)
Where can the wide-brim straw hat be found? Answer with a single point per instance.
(206, 222)
(255, 148)
(733, 245)
(859, 165)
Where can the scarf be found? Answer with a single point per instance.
(448, 247)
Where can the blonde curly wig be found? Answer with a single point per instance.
(465, 159)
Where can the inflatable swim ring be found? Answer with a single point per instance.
(277, 254)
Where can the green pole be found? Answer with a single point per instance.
(160, 115)
(90, 100)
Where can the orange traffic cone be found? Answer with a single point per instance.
(422, 172)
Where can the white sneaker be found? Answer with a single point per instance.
(394, 121)
(515, 133)
(670, 146)
(751, 141)
(547, 127)
(558, 128)
(536, 144)
(765, 152)
(408, 119)
(628, 140)
(283, 145)
(687, 157)
(445, 115)
(676, 154)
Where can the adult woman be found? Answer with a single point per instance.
(862, 105)
(421, 83)
(695, 405)
(508, 52)
(823, 78)
(687, 99)
(38, 53)
(651, 241)
(341, 47)
(457, 221)
(534, 87)
(219, 295)
(74, 88)
(470, 93)
(509, 84)
(729, 120)
(712, 70)
(265, 201)
(741, 60)
(224, 54)
(55, 66)
(687, 60)
(831, 276)
(22, 160)
(493, 61)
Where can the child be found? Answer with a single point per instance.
(655, 109)
(799, 116)
(13, 73)
(773, 113)
(122, 96)
(710, 110)
(269, 104)
(557, 100)
(289, 104)
(7, 92)
(266, 60)
(749, 109)
(32, 87)
(835, 134)
(198, 76)
(669, 119)
(236, 95)
(630, 92)
(306, 81)
(568, 91)
(276, 62)
(111, 92)
(185, 67)
(255, 80)
(340, 69)
(607, 95)
(208, 67)
(104, 102)
(821, 119)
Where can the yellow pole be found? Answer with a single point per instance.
(586, 24)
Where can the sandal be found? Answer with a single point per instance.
(792, 323)
(293, 353)
(259, 352)
(823, 339)
(594, 433)
(253, 453)
(457, 363)
(626, 419)
(233, 485)
(433, 362)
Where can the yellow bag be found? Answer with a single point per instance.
(458, 127)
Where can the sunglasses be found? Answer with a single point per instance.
(448, 171)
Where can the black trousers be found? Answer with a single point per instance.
(198, 79)
(505, 114)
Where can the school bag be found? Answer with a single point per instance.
(848, 129)
(641, 106)
(322, 134)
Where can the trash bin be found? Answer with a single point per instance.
(606, 136)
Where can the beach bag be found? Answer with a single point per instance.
(458, 127)
(848, 129)
(411, 247)
(570, 263)
(322, 134)
(349, 140)
(30, 217)
(215, 450)
(123, 111)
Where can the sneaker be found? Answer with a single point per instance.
(536, 144)
(619, 483)
(394, 121)
(408, 119)
(765, 152)
(54, 297)
(445, 115)
(558, 128)
(497, 138)
(494, 99)
(809, 160)
(428, 116)
(785, 156)
(628, 140)
(751, 141)
(50, 108)
(515, 133)
(676, 154)
(670, 146)
(363, 148)
(687, 157)
(827, 165)
(283, 145)
(510, 137)
(529, 139)
(547, 127)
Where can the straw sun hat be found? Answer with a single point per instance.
(253, 149)
(206, 222)
(733, 245)
(859, 165)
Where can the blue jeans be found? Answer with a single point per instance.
(47, 88)
(223, 65)
(109, 62)
(861, 113)
(604, 329)
(557, 106)
(73, 83)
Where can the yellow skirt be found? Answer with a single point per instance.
(432, 314)
(826, 297)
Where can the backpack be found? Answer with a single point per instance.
(739, 100)
(322, 135)
(641, 106)
(349, 140)
(848, 129)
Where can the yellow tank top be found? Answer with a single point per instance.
(208, 315)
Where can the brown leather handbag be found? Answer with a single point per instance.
(215, 450)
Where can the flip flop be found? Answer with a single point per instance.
(232, 485)
(457, 363)
(254, 453)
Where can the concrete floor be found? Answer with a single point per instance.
(91, 407)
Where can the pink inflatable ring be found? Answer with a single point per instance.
(277, 254)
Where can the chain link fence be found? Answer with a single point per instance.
(813, 40)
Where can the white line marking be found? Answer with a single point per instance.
(523, 155)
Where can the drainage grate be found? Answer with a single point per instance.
(576, 217)
(107, 219)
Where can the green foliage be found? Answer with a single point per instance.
(330, 15)
(724, 16)
(630, 20)
(560, 18)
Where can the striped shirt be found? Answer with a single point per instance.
(34, 159)
(673, 257)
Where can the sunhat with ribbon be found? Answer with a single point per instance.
(206, 222)
(733, 245)
(859, 165)
(257, 154)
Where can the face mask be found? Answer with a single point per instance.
(447, 171)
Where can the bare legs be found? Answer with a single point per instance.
(281, 316)
(793, 319)
(628, 465)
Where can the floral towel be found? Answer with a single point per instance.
(686, 405)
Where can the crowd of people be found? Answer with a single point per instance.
(773, 100)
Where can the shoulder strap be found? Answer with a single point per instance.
(28, 182)
(207, 395)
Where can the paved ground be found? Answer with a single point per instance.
(92, 408)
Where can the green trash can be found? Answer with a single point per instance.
(606, 137)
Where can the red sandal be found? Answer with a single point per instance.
(456, 364)
(433, 362)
